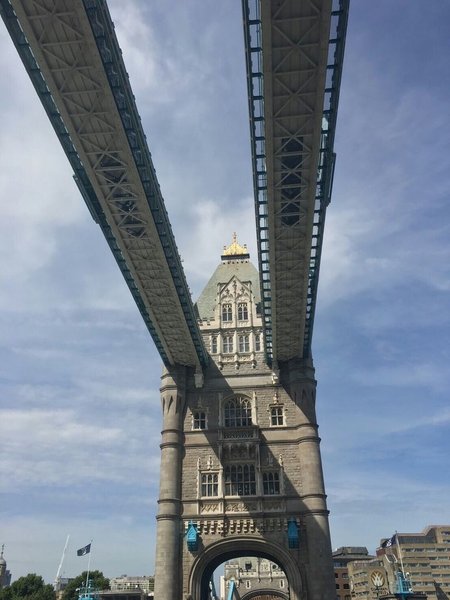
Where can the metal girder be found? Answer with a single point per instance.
(294, 53)
(71, 53)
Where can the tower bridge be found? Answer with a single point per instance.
(240, 461)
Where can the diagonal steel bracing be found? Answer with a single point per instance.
(72, 56)
(294, 52)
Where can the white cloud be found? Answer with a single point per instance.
(424, 375)
(38, 444)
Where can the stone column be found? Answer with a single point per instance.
(320, 573)
(168, 572)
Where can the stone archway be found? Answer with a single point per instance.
(219, 552)
(266, 595)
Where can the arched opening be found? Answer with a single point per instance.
(226, 550)
(266, 595)
(254, 578)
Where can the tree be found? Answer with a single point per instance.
(29, 587)
(97, 578)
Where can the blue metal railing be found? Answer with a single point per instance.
(255, 84)
(327, 157)
(403, 585)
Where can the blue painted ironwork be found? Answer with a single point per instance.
(403, 585)
(231, 590)
(327, 158)
(255, 84)
(293, 534)
(103, 30)
(192, 537)
(212, 590)
(88, 592)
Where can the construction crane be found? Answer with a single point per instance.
(58, 573)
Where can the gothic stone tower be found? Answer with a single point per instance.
(241, 471)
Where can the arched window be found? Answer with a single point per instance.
(227, 344)
(238, 412)
(242, 311)
(240, 480)
(257, 343)
(214, 344)
(227, 312)
(244, 343)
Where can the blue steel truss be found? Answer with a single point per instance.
(103, 30)
(327, 157)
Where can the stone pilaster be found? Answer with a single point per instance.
(169, 525)
(298, 376)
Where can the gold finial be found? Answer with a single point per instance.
(235, 249)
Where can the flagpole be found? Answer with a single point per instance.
(89, 564)
(400, 553)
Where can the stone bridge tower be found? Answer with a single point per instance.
(241, 471)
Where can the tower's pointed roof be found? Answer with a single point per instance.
(235, 263)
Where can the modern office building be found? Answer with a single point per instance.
(126, 587)
(145, 583)
(369, 579)
(424, 556)
(341, 557)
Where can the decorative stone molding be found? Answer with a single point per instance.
(210, 507)
(239, 434)
(239, 526)
(240, 506)
(274, 505)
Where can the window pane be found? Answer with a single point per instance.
(240, 480)
(244, 343)
(199, 420)
(227, 344)
(257, 343)
(238, 413)
(271, 483)
(276, 416)
(227, 314)
(210, 486)
(242, 311)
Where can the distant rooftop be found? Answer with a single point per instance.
(345, 550)
(345, 554)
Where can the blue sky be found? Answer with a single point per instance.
(79, 376)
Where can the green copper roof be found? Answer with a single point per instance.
(242, 269)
